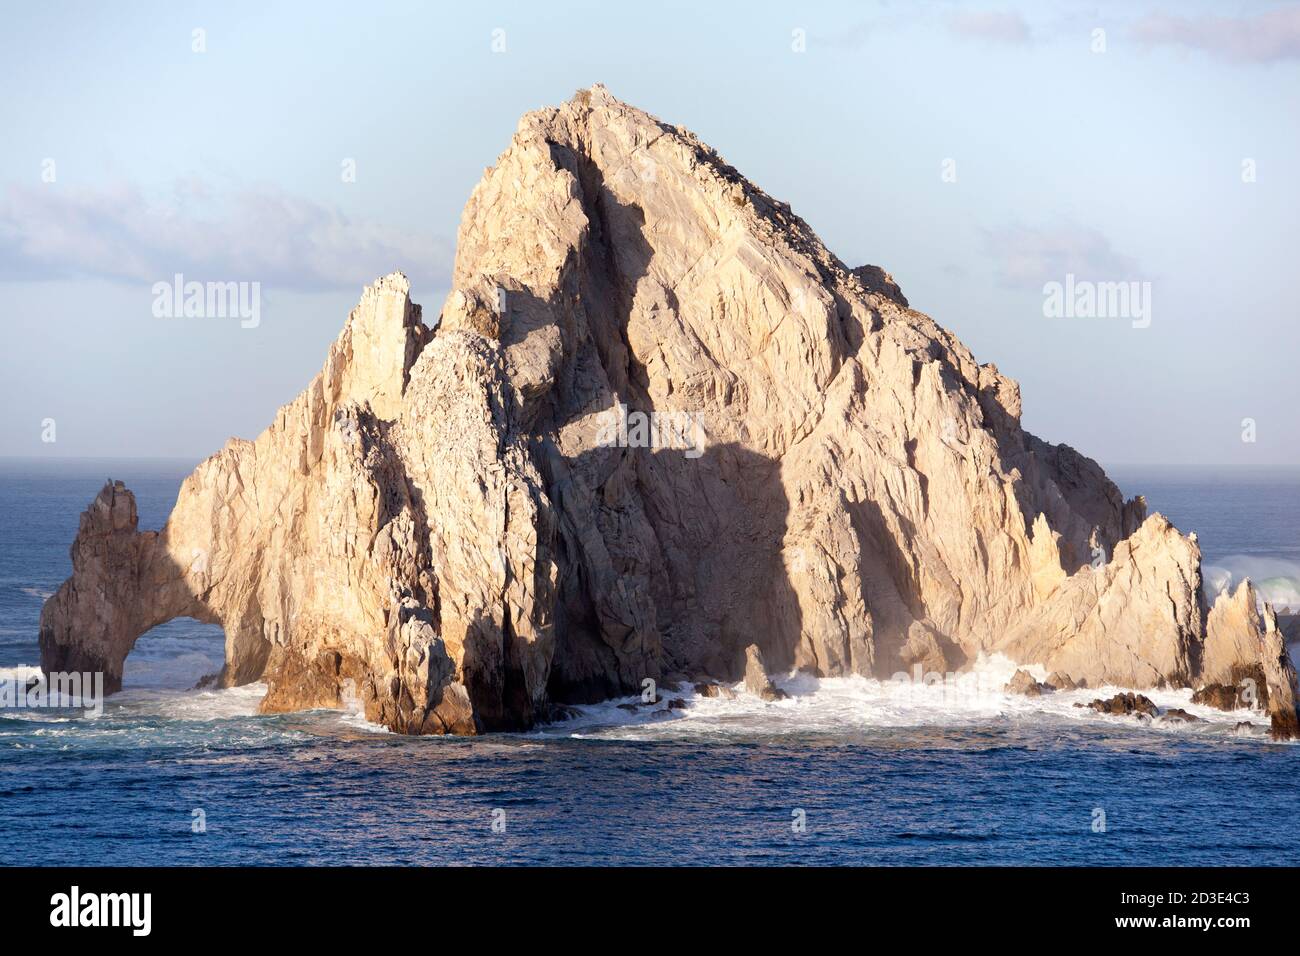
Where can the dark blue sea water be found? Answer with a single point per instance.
(880, 774)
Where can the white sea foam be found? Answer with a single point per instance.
(40, 593)
(353, 714)
(206, 705)
(23, 672)
(857, 705)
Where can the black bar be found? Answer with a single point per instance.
(927, 904)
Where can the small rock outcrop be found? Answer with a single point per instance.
(1218, 696)
(876, 280)
(658, 428)
(1058, 681)
(1124, 705)
(710, 689)
(1023, 682)
(1280, 679)
(1248, 692)
(756, 679)
(1246, 663)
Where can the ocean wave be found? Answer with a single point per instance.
(40, 593)
(1277, 580)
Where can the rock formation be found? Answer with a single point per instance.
(441, 523)
(1022, 682)
(1245, 662)
(756, 679)
(1123, 705)
(1059, 681)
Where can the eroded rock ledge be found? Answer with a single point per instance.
(435, 525)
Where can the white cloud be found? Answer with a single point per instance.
(53, 231)
(1029, 256)
(1262, 38)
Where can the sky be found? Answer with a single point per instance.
(976, 152)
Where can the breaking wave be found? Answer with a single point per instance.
(1277, 580)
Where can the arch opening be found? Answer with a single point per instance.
(180, 654)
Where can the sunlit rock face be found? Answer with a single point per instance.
(446, 525)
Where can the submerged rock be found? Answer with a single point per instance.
(555, 713)
(642, 703)
(657, 416)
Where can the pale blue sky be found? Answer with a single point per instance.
(225, 165)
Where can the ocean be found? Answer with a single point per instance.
(847, 771)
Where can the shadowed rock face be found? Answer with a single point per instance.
(440, 523)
